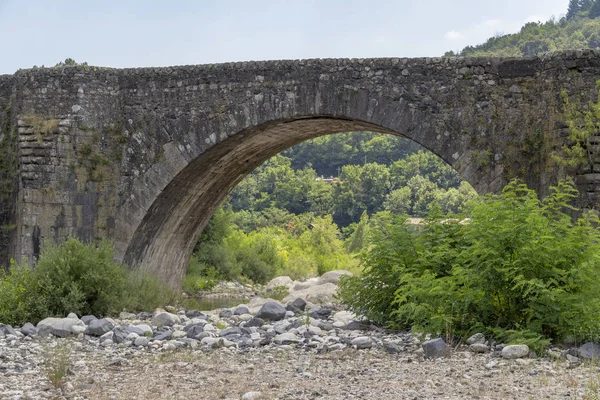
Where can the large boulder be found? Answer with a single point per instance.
(271, 311)
(306, 284)
(60, 326)
(589, 351)
(284, 281)
(333, 276)
(317, 294)
(99, 327)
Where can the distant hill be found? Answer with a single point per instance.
(580, 29)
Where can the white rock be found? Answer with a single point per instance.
(66, 324)
(305, 285)
(286, 338)
(252, 396)
(317, 294)
(284, 281)
(362, 342)
(333, 276)
(344, 316)
(515, 351)
(141, 341)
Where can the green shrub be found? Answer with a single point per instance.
(77, 277)
(199, 276)
(80, 278)
(17, 305)
(519, 264)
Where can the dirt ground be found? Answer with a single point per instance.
(347, 374)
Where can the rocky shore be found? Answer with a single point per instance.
(270, 350)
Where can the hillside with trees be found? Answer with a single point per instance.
(578, 29)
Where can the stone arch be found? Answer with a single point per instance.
(165, 238)
(179, 132)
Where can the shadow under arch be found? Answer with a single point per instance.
(164, 240)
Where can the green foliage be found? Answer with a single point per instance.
(285, 187)
(144, 292)
(579, 30)
(583, 123)
(80, 278)
(17, 305)
(519, 264)
(278, 293)
(296, 246)
(284, 218)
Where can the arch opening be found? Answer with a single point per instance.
(164, 240)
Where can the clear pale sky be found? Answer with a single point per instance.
(134, 33)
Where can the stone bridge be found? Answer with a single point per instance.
(144, 156)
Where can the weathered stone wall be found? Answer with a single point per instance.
(8, 171)
(144, 156)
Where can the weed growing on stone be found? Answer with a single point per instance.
(57, 360)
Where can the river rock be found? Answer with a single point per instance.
(141, 341)
(434, 348)
(589, 350)
(284, 281)
(272, 311)
(299, 304)
(476, 338)
(99, 327)
(195, 314)
(317, 294)
(286, 338)
(140, 329)
(479, 348)
(252, 396)
(60, 326)
(362, 342)
(165, 319)
(28, 329)
(305, 285)
(241, 310)
(257, 322)
(515, 351)
(88, 318)
(333, 276)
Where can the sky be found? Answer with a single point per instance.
(134, 33)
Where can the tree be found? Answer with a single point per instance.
(595, 10)
(573, 9)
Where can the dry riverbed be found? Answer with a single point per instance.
(289, 373)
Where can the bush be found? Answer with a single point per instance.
(520, 264)
(80, 278)
(17, 305)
